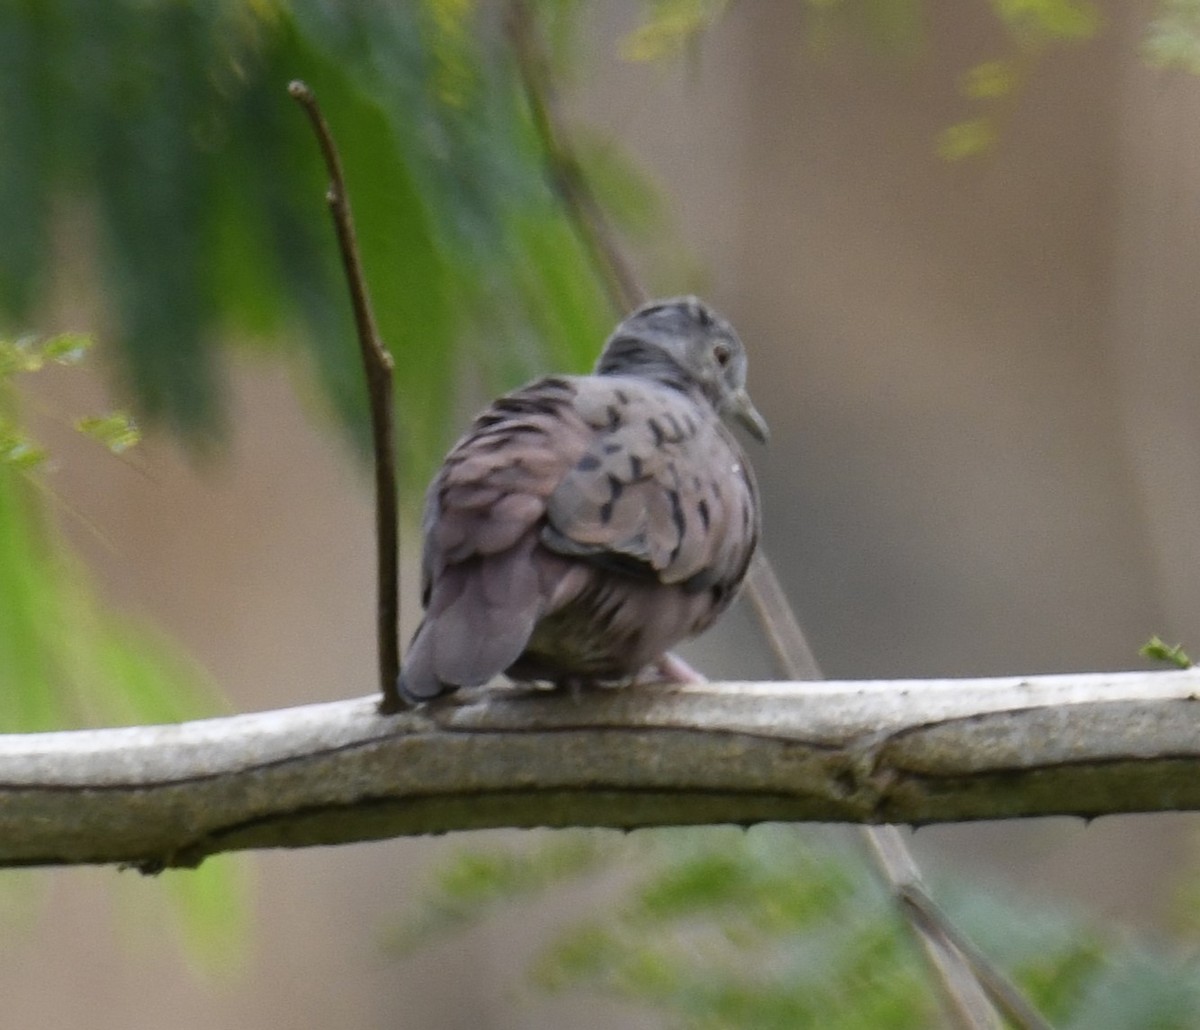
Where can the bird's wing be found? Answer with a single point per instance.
(481, 585)
(662, 489)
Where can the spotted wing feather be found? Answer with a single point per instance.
(661, 491)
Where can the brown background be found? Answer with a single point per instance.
(980, 378)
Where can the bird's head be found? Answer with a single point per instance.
(684, 342)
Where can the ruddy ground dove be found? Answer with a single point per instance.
(586, 524)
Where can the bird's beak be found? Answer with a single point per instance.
(742, 408)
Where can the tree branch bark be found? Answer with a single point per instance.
(911, 751)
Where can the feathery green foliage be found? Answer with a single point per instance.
(786, 927)
(171, 124)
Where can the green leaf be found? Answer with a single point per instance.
(135, 675)
(64, 659)
(29, 95)
(214, 905)
(1038, 20)
(30, 617)
(18, 450)
(67, 348)
(671, 27)
(20, 355)
(966, 139)
(473, 881)
(117, 431)
(989, 80)
(456, 79)
(1173, 37)
(1158, 650)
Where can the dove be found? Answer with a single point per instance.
(585, 525)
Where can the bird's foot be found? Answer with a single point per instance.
(670, 668)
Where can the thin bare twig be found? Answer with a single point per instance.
(778, 621)
(624, 290)
(963, 990)
(377, 363)
(964, 974)
(1000, 990)
(977, 984)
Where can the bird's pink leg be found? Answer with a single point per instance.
(670, 668)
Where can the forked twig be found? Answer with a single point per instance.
(966, 977)
(377, 363)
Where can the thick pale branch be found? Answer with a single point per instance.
(897, 752)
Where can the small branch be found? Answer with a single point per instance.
(377, 363)
(977, 984)
(778, 621)
(877, 752)
(963, 985)
(566, 171)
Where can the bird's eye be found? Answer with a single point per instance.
(722, 354)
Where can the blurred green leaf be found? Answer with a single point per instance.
(30, 690)
(966, 139)
(214, 905)
(30, 352)
(1156, 649)
(670, 27)
(1036, 21)
(64, 660)
(18, 450)
(20, 355)
(1173, 36)
(989, 80)
(117, 431)
(469, 885)
(67, 348)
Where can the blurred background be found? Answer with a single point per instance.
(960, 242)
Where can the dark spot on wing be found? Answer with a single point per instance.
(705, 517)
(659, 436)
(588, 463)
(635, 467)
(614, 418)
(615, 488)
(678, 518)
